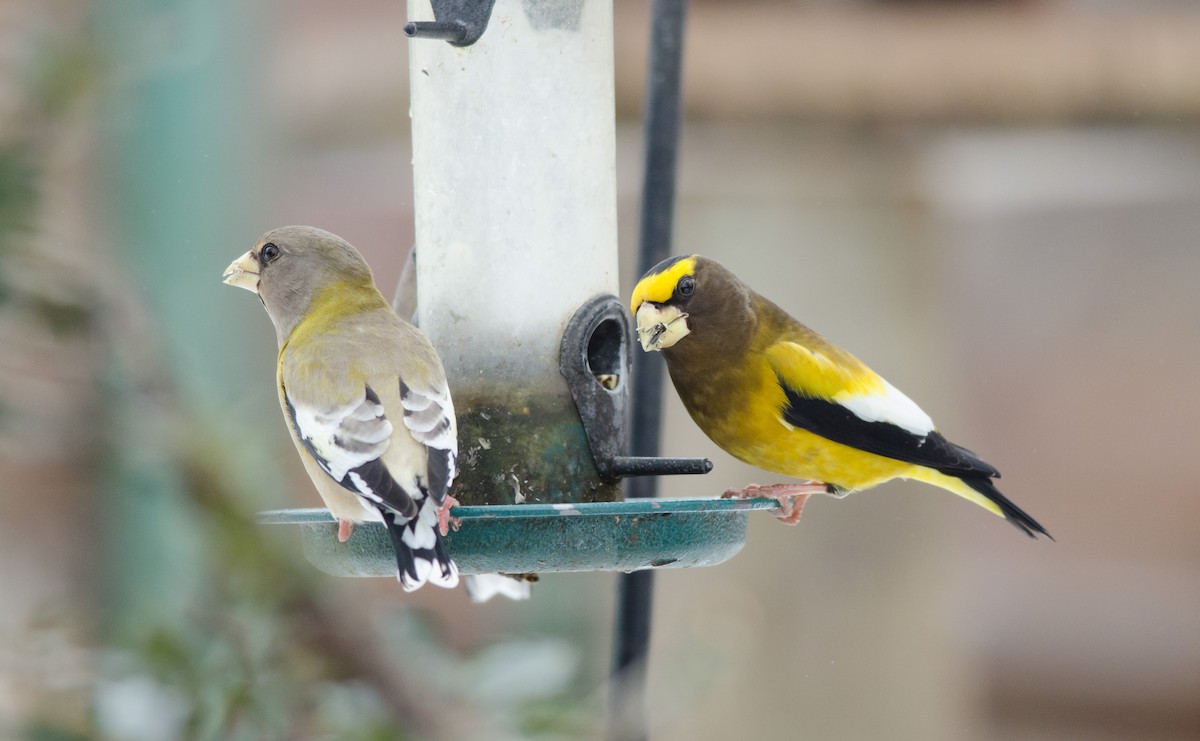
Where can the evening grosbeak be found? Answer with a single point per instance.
(363, 393)
(775, 394)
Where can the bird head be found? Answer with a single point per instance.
(692, 296)
(288, 268)
(660, 302)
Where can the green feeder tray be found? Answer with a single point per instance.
(525, 538)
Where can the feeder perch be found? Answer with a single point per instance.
(517, 539)
(514, 172)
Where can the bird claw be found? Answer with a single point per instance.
(790, 508)
(445, 521)
(748, 492)
(791, 497)
(345, 530)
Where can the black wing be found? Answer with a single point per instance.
(835, 422)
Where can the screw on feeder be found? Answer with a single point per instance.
(453, 31)
(460, 22)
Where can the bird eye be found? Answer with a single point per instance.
(687, 286)
(269, 252)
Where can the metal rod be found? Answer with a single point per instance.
(632, 465)
(627, 701)
(446, 31)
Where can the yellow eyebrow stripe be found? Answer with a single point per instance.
(658, 287)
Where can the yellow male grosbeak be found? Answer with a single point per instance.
(775, 394)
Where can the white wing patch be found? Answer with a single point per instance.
(890, 406)
(364, 489)
(343, 438)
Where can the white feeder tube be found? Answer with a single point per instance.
(515, 202)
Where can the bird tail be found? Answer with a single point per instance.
(1011, 512)
(981, 490)
(421, 554)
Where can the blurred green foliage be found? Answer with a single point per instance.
(59, 76)
(18, 193)
(17, 199)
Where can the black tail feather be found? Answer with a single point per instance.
(405, 558)
(441, 571)
(1014, 514)
(442, 561)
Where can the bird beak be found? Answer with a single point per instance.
(243, 273)
(660, 326)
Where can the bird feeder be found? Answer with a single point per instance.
(516, 241)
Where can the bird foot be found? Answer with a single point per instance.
(445, 521)
(791, 497)
(345, 530)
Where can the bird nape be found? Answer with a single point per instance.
(777, 395)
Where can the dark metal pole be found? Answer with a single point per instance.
(627, 702)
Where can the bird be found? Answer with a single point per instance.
(775, 394)
(363, 393)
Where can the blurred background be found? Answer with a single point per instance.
(995, 204)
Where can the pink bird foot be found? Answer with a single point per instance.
(345, 530)
(445, 521)
(791, 497)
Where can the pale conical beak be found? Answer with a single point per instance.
(243, 273)
(660, 327)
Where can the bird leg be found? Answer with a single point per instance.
(345, 530)
(791, 497)
(445, 521)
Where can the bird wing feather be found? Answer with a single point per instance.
(843, 400)
(429, 416)
(348, 442)
(383, 352)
